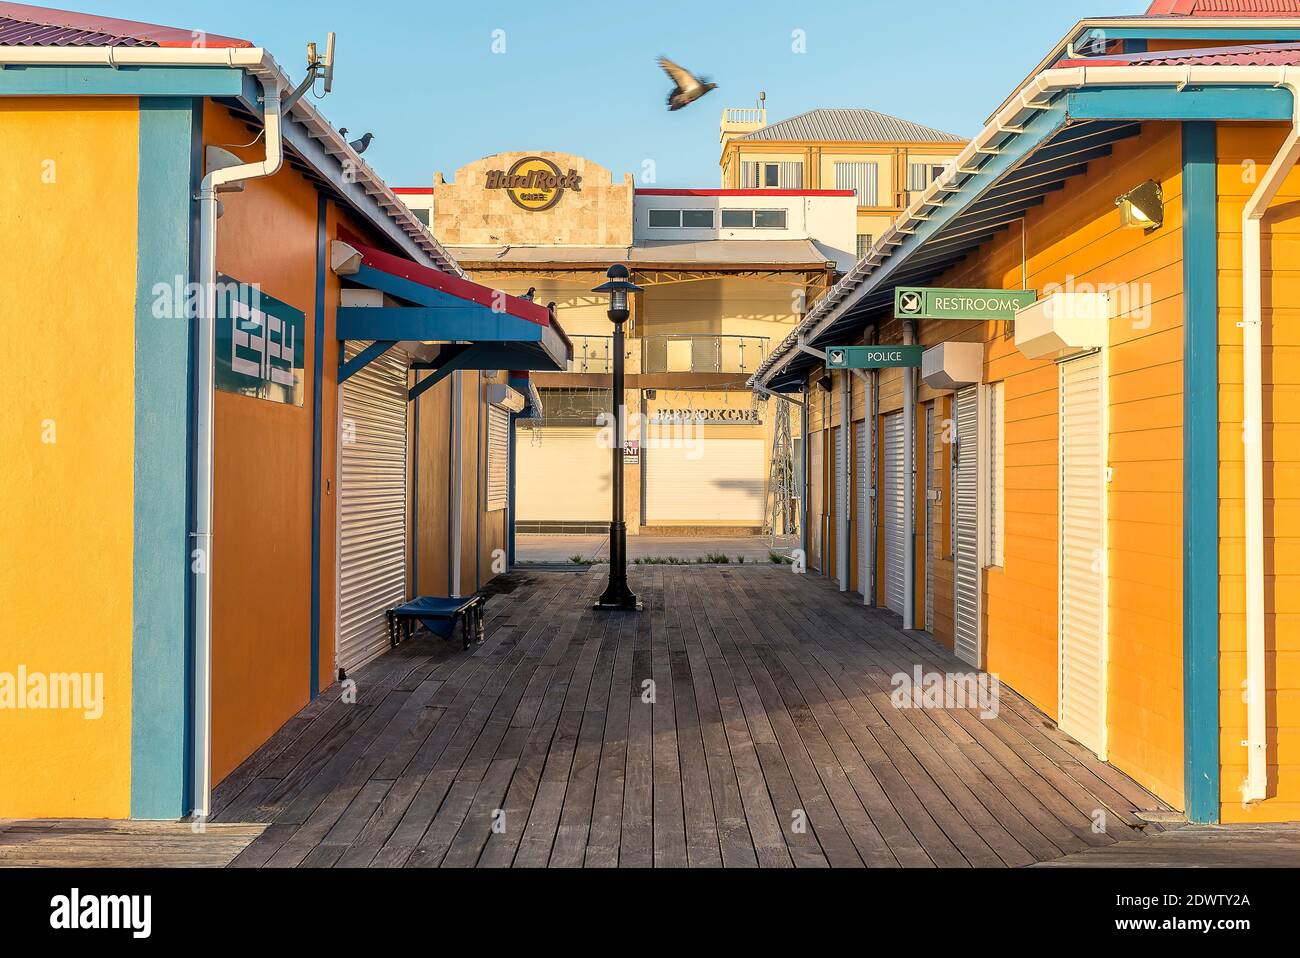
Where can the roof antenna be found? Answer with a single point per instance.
(762, 99)
(318, 68)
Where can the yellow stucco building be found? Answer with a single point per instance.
(884, 160)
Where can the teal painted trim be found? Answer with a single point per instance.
(1200, 475)
(160, 566)
(453, 321)
(364, 358)
(1014, 149)
(1166, 103)
(50, 80)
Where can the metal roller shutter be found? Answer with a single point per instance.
(722, 483)
(498, 458)
(865, 512)
(1083, 577)
(372, 505)
(563, 474)
(893, 490)
(841, 479)
(966, 640)
(815, 488)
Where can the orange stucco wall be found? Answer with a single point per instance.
(261, 617)
(1281, 406)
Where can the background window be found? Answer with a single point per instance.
(660, 218)
(771, 175)
(698, 218)
(769, 219)
(422, 215)
(921, 175)
(864, 244)
(737, 219)
(862, 178)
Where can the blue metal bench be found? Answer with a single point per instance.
(439, 615)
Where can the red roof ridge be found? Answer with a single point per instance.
(155, 33)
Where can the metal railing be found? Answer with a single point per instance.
(687, 353)
(671, 353)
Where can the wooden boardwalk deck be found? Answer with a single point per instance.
(770, 741)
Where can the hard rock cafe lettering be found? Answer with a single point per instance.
(533, 183)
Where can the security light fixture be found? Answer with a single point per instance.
(618, 286)
(1142, 207)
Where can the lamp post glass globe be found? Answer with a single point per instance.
(617, 596)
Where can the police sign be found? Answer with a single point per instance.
(926, 302)
(873, 357)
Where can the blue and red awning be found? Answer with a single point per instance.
(473, 326)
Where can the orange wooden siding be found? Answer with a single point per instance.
(1245, 150)
(1076, 235)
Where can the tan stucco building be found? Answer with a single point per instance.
(726, 273)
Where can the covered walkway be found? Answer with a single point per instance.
(771, 740)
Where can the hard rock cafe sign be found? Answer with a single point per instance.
(533, 183)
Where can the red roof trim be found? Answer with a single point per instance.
(146, 32)
(748, 192)
(1230, 9)
(413, 190)
(1258, 54)
(447, 283)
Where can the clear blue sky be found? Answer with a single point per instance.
(581, 77)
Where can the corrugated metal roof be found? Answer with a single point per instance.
(1254, 54)
(852, 126)
(20, 33)
(1224, 8)
(23, 25)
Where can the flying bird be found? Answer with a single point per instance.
(687, 87)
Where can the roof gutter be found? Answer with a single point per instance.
(258, 63)
(1037, 95)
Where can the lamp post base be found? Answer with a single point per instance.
(627, 602)
(617, 597)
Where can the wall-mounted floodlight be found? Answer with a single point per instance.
(1142, 207)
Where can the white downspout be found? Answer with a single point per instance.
(1252, 437)
(909, 483)
(202, 554)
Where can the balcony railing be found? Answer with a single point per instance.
(671, 353)
(687, 353)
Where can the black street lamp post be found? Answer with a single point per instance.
(617, 596)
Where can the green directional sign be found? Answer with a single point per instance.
(873, 357)
(931, 302)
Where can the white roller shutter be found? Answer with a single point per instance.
(498, 458)
(372, 505)
(929, 518)
(966, 643)
(720, 481)
(893, 491)
(815, 486)
(841, 478)
(865, 512)
(563, 474)
(1083, 566)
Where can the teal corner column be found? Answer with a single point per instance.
(1200, 474)
(160, 630)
